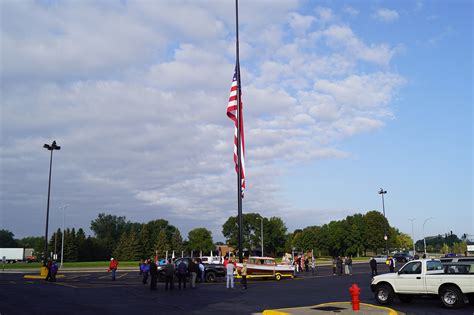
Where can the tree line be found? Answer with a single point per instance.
(356, 235)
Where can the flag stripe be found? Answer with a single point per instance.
(232, 114)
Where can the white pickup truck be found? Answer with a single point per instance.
(424, 277)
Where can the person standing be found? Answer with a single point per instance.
(153, 274)
(202, 271)
(373, 266)
(349, 264)
(306, 265)
(113, 267)
(346, 265)
(391, 264)
(145, 270)
(169, 274)
(182, 270)
(230, 274)
(334, 265)
(193, 271)
(243, 273)
(48, 266)
(339, 265)
(140, 266)
(54, 271)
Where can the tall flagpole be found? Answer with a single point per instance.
(239, 122)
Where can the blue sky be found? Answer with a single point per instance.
(340, 99)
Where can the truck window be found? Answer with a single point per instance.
(411, 268)
(434, 265)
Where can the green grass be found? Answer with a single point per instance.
(82, 264)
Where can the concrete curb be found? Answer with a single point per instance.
(333, 307)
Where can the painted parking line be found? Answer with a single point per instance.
(121, 276)
(342, 307)
(78, 276)
(65, 285)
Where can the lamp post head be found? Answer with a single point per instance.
(382, 192)
(51, 147)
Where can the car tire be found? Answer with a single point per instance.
(451, 297)
(384, 294)
(278, 277)
(210, 276)
(405, 298)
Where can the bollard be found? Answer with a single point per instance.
(354, 290)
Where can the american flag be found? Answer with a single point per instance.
(232, 114)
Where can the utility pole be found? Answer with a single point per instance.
(413, 236)
(261, 231)
(51, 148)
(383, 192)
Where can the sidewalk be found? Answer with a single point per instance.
(334, 307)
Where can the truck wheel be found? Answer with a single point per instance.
(210, 277)
(405, 298)
(278, 277)
(384, 294)
(451, 297)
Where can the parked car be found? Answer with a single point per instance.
(424, 277)
(381, 259)
(212, 271)
(403, 257)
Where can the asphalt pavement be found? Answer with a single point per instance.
(93, 292)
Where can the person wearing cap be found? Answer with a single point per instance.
(113, 267)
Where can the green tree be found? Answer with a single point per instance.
(274, 236)
(146, 241)
(108, 229)
(81, 245)
(176, 241)
(200, 239)
(376, 225)
(162, 244)
(274, 232)
(35, 242)
(445, 249)
(404, 241)
(7, 239)
(71, 251)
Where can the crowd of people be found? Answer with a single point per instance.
(342, 266)
(302, 263)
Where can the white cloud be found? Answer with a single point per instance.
(350, 10)
(301, 23)
(386, 15)
(139, 107)
(340, 36)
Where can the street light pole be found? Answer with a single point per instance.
(424, 237)
(62, 242)
(413, 236)
(385, 237)
(51, 148)
(261, 231)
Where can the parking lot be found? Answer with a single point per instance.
(95, 292)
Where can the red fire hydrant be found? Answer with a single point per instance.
(354, 290)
